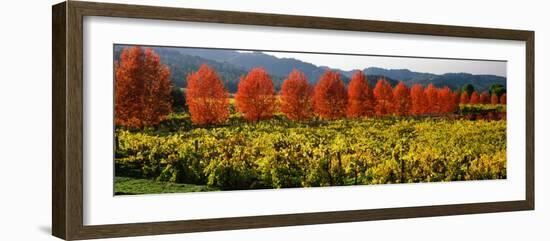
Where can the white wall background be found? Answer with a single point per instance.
(25, 120)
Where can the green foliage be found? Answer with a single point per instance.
(488, 167)
(480, 109)
(469, 88)
(178, 99)
(132, 186)
(278, 153)
(497, 89)
(231, 164)
(167, 158)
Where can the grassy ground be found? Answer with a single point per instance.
(132, 186)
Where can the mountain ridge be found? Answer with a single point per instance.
(231, 64)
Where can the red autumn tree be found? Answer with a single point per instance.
(456, 97)
(330, 96)
(485, 98)
(296, 97)
(432, 96)
(494, 99)
(384, 97)
(360, 97)
(142, 88)
(447, 102)
(206, 97)
(255, 96)
(503, 99)
(419, 102)
(474, 98)
(464, 98)
(401, 99)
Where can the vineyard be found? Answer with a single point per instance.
(204, 138)
(279, 153)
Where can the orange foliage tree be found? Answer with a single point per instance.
(456, 97)
(447, 101)
(142, 88)
(384, 97)
(296, 97)
(401, 99)
(464, 98)
(474, 98)
(360, 97)
(432, 96)
(255, 96)
(207, 97)
(485, 98)
(330, 96)
(494, 99)
(419, 102)
(503, 99)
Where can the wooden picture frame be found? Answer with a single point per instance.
(67, 124)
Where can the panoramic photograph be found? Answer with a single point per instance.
(204, 119)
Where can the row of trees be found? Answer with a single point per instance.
(483, 98)
(142, 95)
(329, 99)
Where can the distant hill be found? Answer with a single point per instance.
(457, 80)
(231, 65)
(400, 74)
(248, 60)
(453, 80)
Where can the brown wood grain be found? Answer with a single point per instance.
(58, 121)
(530, 120)
(67, 123)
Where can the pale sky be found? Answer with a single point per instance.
(435, 66)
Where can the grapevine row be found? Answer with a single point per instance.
(279, 154)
